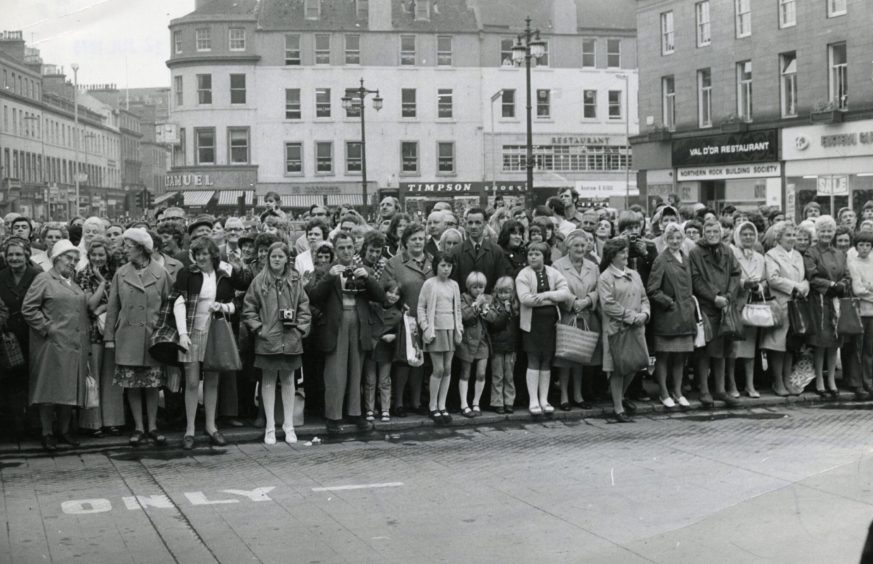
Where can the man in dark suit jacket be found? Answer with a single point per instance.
(477, 254)
(343, 333)
(436, 224)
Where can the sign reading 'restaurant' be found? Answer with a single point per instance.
(745, 147)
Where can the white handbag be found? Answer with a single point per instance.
(700, 337)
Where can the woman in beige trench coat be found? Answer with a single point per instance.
(56, 311)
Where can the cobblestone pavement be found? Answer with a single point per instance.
(786, 484)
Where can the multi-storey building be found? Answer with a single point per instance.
(753, 102)
(258, 88)
(38, 140)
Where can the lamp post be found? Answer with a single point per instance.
(528, 45)
(626, 79)
(356, 101)
(75, 68)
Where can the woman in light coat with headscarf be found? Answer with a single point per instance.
(784, 272)
(582, 276)
(56, 309)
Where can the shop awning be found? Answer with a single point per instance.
(198, 198)
(301, 200)
(163, 198)
(344, 200)
(230, 197)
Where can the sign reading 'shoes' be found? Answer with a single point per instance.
(743, 147)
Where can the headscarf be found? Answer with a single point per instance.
(748, 253)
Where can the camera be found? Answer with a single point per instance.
(353, 284)
(287, 316)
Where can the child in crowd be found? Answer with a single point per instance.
(503, 331)
(475, 347)
(439, 316)
(379, 363)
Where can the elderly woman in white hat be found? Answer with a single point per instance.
(139, 290)
(56, 310)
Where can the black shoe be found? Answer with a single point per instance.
(445, 417)
(834, 394)
(623, 418)
(861, 395)
(642, 396)
(69, 439)
(629, 406)
(157, 438)
(729, 400)
(565, 406)
(216, 438)
(583, 405)
(363, 425)
(499, 410)
(188, 442)
(135, 438)
(50, 443)
(507, 408)
(400, 411)
(334, 427)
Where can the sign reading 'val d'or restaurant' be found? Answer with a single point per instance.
(745, 147)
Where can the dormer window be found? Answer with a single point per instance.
(312, 9)
(422, 10)
(362, 9)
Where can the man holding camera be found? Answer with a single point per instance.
(343, 297)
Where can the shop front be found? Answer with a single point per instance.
(740, 168)
(830, 164)
(211, 189)
(419, 197)
(299, 197)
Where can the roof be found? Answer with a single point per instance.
(220, 8)
(590, 14)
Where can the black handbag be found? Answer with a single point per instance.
(222, 354)
(731, 325)
(628, 350)
(799, 317)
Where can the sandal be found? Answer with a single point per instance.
(158, 438)
(136, 438)
(371, 416)
(444, 415)
(468, 413)
(386, 416)
(477, 411)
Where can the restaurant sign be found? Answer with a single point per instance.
(742, 147)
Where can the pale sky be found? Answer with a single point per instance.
(104, 37)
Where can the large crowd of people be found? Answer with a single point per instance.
(112, 328)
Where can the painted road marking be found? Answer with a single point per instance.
(358, 487)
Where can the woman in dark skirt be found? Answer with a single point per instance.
(540, 290)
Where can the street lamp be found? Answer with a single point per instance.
(626, 79)
(528, 45)
(356, 101)
(75, 68)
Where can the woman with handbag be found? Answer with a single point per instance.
(582, 275)
(828, 278)
(202, 295)
(540, 290)
(860, 265)
(785, 275)
(56, 310)
(276, 311)
(753, 285)
(139, 291)
(715, 277)
(674, 324)
(626, 311)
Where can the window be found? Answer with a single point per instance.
(407, 102)
(701, 18)
(236, 39)
(613, 53)
(322, 102)
(667, 34)
(589, 104)
(238, 145)
(788, 83)
(292, 103)
(615, 104)
(544, 104)
(312, 9)
(422, 9)
(787, 13)
(506, 51)
(353, 157)
(407, 50)
(202, 40)
(177, 90)
(355, 109)
(507, 103)
(322, 49)
(323, 157)
(743, 10)
(668, 102)
(588, 55)
(362, 9)
(444, 50)
(204, 88)
(444, 103)
(744, 90)
(445, 158)
(292, 49)
(204, 140)
(237, 89)
(704, 98)
(177, 42)
(294, 158)
(409, 157)
(839, 75)
(568, 158)
(353, 49)
(836, 8)
(544, 60)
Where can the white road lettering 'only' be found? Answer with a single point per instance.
(137, 502)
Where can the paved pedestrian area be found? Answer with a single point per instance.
(778, 484)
